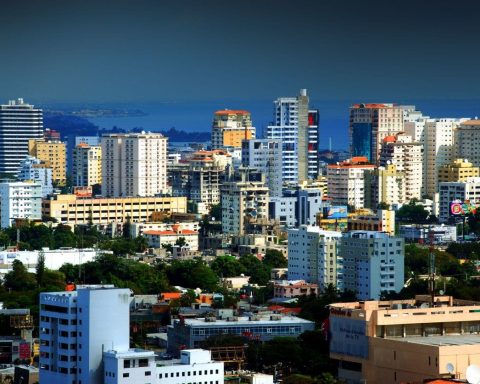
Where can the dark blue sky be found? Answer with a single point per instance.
(160, 50)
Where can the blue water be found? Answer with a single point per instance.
(197, 116)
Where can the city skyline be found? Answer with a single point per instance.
(252, 50)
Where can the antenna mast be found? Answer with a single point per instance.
(431, 266)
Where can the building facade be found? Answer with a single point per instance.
(313, 256)
(297, 127)
(134, 164)
(87, 165)
(458, 170)
(467, 140)
(71, 210)
(384, 185)
(373, 262)
(468, 190)
(35, 170)
(20, 200)
(54, 155)
(75, 329)
(245, 199)
(19, 122)
(404, 341)
(230, 127)
(346, 182)
(265, 156)
(370, 124)
(407, 156)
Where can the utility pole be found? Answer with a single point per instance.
(431, 269)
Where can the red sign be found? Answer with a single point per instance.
(24, 351)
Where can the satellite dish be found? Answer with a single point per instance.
(473, 374)
(441, 292)
(450, 368)
(425, 305)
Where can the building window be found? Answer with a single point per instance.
(126, 375)
(143, 362)
(126, 363)
(148, 373)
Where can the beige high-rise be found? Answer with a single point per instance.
(53, 154)
(87, 165)
(134, 164)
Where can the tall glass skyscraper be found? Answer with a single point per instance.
(19, 122)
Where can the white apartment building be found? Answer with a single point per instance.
(407, 156)
(84, 339)
(457, 191)
(346, 182)
(33, 169)
(298, 129)
(139, 366)
(20, 200)
(76, 327)
(265, 156)
(373, 262)
(467, 141)
(19, 122)
(297, 206)
(245, 199)
(439, 150)
(134, 164)
(87, 165)
(313, 256)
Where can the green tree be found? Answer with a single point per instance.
(40, 269)
(19, 279)
(259, 273)
(192, 274)
(413, 213)
(181, 241)
(275, 259)
(64, 237)
(227, 266)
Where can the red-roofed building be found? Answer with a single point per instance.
(296, 288)
(230, 127)
(158, 238)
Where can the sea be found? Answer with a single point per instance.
(197, 116)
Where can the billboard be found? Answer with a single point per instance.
(348, 337)
(335, 212)
(463, 208)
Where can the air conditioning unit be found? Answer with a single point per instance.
(276, 317)
(232, 318)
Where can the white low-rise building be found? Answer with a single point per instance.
(137, 229)
(139, 366)
(20, 200)
(170, 237)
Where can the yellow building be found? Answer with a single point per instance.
(54, 155)
(457, 171)
(404, 341)
(381, 221)
(230, 127)
(70, 210)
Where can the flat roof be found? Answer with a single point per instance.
(442, 341)
(245, 321)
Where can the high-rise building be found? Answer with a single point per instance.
(297, 127)
(20, 200)
(439, 150)
(265, 156)
(297, 206)
(313, 256)
(467, 141)
(346, 182)
(373, 262)
(19, 122)
(87, 165)
(53, 154)
(408, 158)
(384, 185)
(230, 127)
(461, 191)
(458, 170)
(245, 199)
(76, 327)
(134, 164)
(370, 124)
(35, 170)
